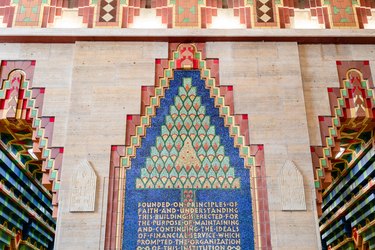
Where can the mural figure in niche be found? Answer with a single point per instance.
(188, 155)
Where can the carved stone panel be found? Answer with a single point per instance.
(292, 189)
(83, 190)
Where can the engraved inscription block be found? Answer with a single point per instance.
(292, 189)
(82, 198)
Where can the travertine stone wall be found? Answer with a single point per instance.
(268, 86)
(106, 85)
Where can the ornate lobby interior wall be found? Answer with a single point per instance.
(92, 86)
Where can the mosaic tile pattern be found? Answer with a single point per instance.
(203, 136)
(19, 101)
(192, 14)
(343, 166)
(30, 181)
(264, 11)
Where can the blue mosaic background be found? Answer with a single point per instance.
(133, 196)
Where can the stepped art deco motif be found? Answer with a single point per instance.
(344, 164)
(187, 13)
(29, 166)
(187, 176)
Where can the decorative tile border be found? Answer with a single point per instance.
(347, 136)
(186, 56)
(184, 14)
(19, 75)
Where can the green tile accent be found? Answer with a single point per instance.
(320, 173)
(323, 162)
(172, 64)
(153, 101)
(180, 10)
(34, 113)
(158, 91)
(344, 20)
(186, 20)
(30, 103)
(35, 9)
(363, 84)
(25, 84)
(134, 139)
(329, 141)
(22, 9)
(206, 73)
(148, 110)
(225, 110)
(201, 64)
(168, 73)
(163, 82)
(7, 84)
(50, 164)
(192, 10)
(230, 119)
(341, 102)
(344, 92)
(176, 55)
(53, 174)
(338, 112)
(317, 184)
(144, 120)
(347, 84)
(349, 10)
(250, 161)
(240, 140)
(211, 82)
(221, 100)
(124, 161)
(369, 92)
(333, 132)
(139, 130)
(234, 130)
(36, 122)
(336, 10)
(336, 121)
(326, 152)
(46, 153)
(245, 151)
(129, 151)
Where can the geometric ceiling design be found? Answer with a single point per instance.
(187, 13)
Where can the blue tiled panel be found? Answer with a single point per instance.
(30, 194)
(133, 195)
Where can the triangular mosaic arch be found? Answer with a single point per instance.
(177, 145)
